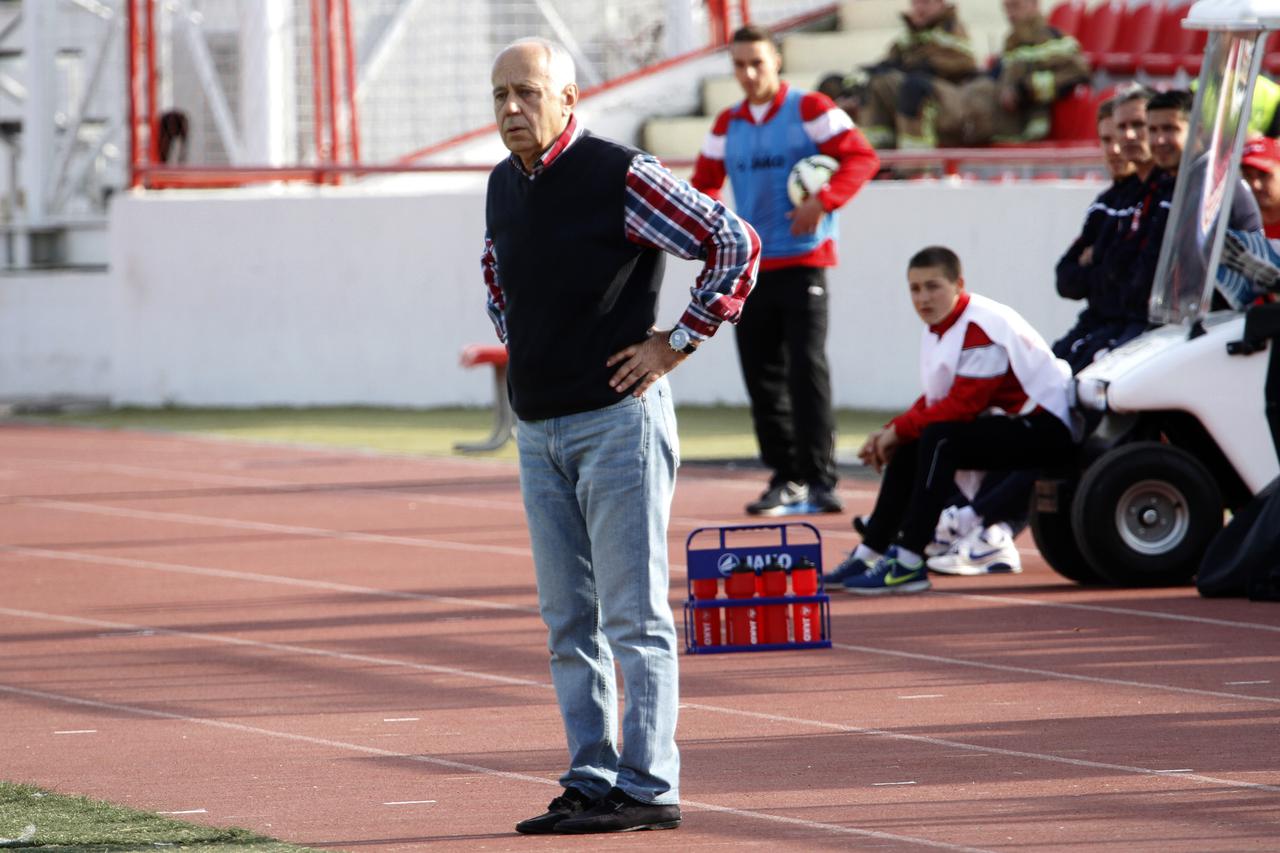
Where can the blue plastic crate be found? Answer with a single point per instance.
(714, 552)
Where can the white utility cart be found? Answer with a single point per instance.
(1190, 410)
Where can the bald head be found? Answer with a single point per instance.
(559, 63)
(533, 96)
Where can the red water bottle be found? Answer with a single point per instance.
(773, 617)
(706, 620)
(743, 630)
(806, 615)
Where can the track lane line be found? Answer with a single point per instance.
(1104, 608)
(143, 630)
(994, 750)
(677, 521)
(256, 577)
(677, 570)
(478, 769)
(1048, 673)
(408, 496)
(271, 527)
(714, 709)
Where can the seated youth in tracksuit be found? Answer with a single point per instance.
(995, 398)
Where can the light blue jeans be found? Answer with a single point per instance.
(597, 490)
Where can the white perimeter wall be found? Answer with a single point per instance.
(55, 335)
(342, 296)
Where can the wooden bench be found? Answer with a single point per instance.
(504, 420)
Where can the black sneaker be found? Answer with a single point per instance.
(618, 812)
(572, 802)
(824, 499)
(778, 499)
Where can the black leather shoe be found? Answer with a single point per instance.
(618, 812)
(571, 802)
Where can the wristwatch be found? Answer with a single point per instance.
(681, 341)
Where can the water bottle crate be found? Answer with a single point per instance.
(756, 588)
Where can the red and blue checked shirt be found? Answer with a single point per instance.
(664, 212)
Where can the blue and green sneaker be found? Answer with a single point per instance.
(848, 568)
(889, 577)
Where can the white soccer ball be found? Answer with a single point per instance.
(808, 176)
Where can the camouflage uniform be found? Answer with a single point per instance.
(913, 94)
(1039, 64)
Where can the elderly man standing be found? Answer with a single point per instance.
(576, 230)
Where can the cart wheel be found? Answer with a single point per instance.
(1056, 540)
(1144, 514)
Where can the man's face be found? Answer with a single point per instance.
(1020, 11)
(1131, 125)
(758, 67)
(924, 11)
(1109, 139)
(529, 109)
(1266, 189)
(1167, 130)
(933, 295)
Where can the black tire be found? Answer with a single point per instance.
(1144, 514)
(1056, 540)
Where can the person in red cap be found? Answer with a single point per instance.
(1260, 168)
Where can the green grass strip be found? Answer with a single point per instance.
(35, 819)
(706, 432)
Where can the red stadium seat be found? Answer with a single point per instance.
(1271, 54)
(1073, 117)
(1067, 16)
(1172, 43)
(504, 420)
(1136, 37)
(1194, 56)
(474, 355)
(1100, 29)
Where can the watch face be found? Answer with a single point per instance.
(678, 340)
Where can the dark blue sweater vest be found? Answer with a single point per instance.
(576, 289)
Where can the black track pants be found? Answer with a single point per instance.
(782, 339)
(920, 478)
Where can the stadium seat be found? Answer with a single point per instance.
(1271, 54)
(1194, 55)
(1072, 118)
(504, 420)
(1066, 16)
(1172, 42)
(1136, 36)
(1099, 29)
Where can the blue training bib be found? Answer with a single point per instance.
(758, 159)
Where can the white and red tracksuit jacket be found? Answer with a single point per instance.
(984, 358)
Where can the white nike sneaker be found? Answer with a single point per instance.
(982, 551)
(951, 529)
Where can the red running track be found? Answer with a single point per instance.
(342, 650)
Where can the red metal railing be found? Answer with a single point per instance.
(720, 13)
(332, 43)
(942, 161)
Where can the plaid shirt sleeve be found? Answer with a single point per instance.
(664, 212)
(496, 305)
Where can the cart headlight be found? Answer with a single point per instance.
(1091, 394)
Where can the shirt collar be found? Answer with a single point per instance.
(962, 303)
(744, 109)
(572, 133)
